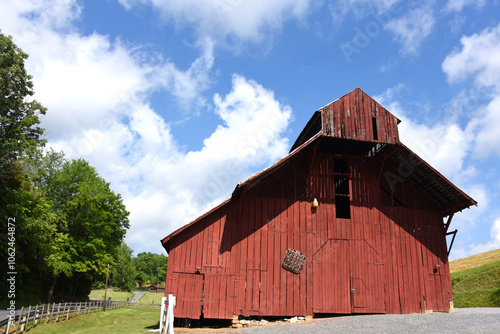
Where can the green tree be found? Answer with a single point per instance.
(19, 130)
(123, 271)
(20, 202)
(91, 220)
(151, 268)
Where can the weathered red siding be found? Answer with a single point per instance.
(385, 259)
(387, 254)
(351, 117)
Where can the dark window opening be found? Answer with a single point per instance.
(341, 181)
(340, 166)
(341, 184)
(374, 125)
(343, 207)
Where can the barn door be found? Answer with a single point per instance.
(331, 278)
(189, 295)
(367, 282)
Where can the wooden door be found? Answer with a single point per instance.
(367, 279)
(331, 292)
(189, 295)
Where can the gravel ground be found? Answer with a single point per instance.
(477, 320)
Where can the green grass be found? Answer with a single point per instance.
(124, 320)
(477, 286)
(149, 297)
(119, 296)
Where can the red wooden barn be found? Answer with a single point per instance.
(376, 242)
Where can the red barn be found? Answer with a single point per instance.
(350, 221)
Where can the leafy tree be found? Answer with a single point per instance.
(151, 268)
(123, 272)
(91, 219)
(24, 205)
(19, 130)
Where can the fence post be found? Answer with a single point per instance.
(34, 317)
(67, 315)
(19, 320)
(57, 315)
(43, 309)
(49, 314)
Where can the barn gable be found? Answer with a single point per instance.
(375, 244)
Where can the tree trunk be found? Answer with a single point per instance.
(51, 289)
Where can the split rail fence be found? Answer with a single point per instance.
(33, 315)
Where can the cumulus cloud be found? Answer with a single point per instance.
(221, 19)
(412, 29)
(478, 59)
(171, 187)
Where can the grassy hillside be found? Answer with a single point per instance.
(475, 261)
(476, 282)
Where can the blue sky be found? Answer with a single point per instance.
(176, 101)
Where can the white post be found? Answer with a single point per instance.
(162, 315)
(169, 327)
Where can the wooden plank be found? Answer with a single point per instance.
(277, 258)
(289, 276)
(282, 250)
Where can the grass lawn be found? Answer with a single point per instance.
(477, 287)
(151, 298)
(119, 296)
(124, 320)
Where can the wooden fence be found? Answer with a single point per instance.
(33, 315)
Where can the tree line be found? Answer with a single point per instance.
(61, 224)
(131, 272)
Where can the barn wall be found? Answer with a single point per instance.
(351, 117)
(393, 257)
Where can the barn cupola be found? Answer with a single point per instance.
(353, 124)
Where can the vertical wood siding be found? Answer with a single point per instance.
(350, 117)
(385, 259)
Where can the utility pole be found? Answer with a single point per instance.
(105, 289)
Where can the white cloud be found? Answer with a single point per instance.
(478, 58)
(458, 5)
(492, 244)
(412, 29)
(176, 187)
(234, 19)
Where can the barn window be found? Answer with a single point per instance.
(341, 180)
(374, 126)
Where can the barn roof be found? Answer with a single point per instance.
(400, 163)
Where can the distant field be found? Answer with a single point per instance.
(124, 320)
(475, 261)
(476, 280)
(119, 296)
(151, 298)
